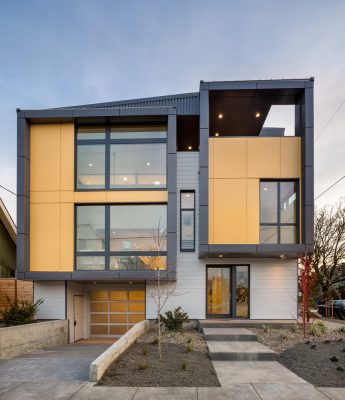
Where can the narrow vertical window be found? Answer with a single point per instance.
(187, 221)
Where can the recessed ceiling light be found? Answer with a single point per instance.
(125, 178)
(257, 115)
(187, 195)
(88, 183)
(216, 134)
(189, 147)
(157, 183)
(220, 115)
(90, 164)
(265, 189)
(282, 256)
(220, 256)
(148, 164)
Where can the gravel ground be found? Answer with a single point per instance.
(141, 366)
(312, 362)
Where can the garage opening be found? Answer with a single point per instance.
(113, 313)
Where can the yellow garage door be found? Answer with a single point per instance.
(113, 313)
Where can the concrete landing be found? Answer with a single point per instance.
(230, 334)
(245, 323)
(240, 351)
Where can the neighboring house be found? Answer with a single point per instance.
(233, 197)
(8, 238)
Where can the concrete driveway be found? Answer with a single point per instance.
(64, 363)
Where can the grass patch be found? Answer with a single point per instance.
(189, 348)
(183, 366)
(283, 335)
(142, 366)
(321, 326)
(155, 340)
(145, 351)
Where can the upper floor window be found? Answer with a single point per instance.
(121, 157)
(187, 221)
(279, 212)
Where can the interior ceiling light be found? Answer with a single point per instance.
(157, 183)
(90, 164)
(88, 183)
(283, 257)
(148, 164)
(216, 134)
(125, 178)
(220, 115)
(189, 147)
(257, 115)
(265, 189)
(187, 195)
(220, 256)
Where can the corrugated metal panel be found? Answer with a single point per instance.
(186, 103)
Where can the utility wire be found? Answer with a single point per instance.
(8, 190)
(329, 121)
(330, 187)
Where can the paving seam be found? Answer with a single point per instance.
(15, 387)
(330, 398)
(135, 393)
(255, 391)
(77, 391)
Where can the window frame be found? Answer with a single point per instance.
(280, 224)
(191, 250)
(107, 253)
(107, 142)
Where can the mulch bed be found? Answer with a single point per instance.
(140, 365)
(314, 364)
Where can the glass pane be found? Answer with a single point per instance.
(137, 262)
(90, 228)
(118, 307)
(99, 318)
(99, 329)
(288, 234)
(91, 132)
(99, 307)
(187, 230)
(133, 295)
(288, 202)
(118, 329)
(91, 167)
(138, 228)
(90, 263)
(187, 200)
(136, 307)
(268, 202)
(118, 318)
(97, 296)
(242, 291)
(138, 165)
(218, 291)
(268, 234)
(116, 295)
(137, 132)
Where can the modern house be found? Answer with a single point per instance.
(8, 238)
(222, 178)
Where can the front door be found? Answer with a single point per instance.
(218, 291)
(79, 321)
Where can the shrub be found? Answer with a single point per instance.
(20, 312)
(321, 326)
(155, 340)
(334, 359)
(142, 366)
(189, 348)
(283, 335)
(293, 328)
(189, 340)
(267, 328)
(173, 320)
(342, 329)
(313, 330)
(145, 351)
(183, 365)
(340, 368)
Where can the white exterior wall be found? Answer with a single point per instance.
(54, 297)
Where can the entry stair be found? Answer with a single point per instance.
(235, 344)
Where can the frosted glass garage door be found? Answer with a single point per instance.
(113, 313)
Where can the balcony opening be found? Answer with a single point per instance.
(188, 133)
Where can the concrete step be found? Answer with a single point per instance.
(228, 323)
(239, 351)
(229, 334)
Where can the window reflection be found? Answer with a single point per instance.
(242, 291)
(91, 167)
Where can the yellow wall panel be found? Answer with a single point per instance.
(67, 237)
(45, 157)
(229, 211)
(253, 211)
(229, 157)
(211, 208)
(45, 237)
(90, 197)
(290, 157)
(263, 157)
(211, 158)
(148, 196)
(67, 196)
(45, 197)
(67, 156)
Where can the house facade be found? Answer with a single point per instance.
(8, 237)
(213, 189)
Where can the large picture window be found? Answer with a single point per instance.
(187, 221)
(121, 157)
(279, 212)
(121, 237)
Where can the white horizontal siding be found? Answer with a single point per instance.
(53, 296)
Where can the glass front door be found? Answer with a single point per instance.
(218, 291)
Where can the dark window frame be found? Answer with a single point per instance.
(190, 250)
(107, 253)
(280, 224)
(107, 142)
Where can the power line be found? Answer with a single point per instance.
(329, 121)
(330, 187)
(8, 190)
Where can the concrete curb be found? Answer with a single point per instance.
(100, 365)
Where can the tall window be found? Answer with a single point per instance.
(187, 221)
(121, 237)
(279, 212)
(121, 157)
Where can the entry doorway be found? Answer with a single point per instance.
(227, 291)
(79, 317)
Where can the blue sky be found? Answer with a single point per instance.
(59, 53)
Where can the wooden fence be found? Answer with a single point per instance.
(14, 289)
